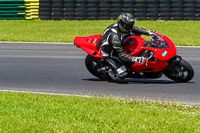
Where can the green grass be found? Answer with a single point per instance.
(23, 112)
(180, 32)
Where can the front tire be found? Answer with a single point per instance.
(182, 72)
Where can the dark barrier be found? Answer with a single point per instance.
(110, 9)
(45, 9)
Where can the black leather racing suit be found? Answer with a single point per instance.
(112, 47)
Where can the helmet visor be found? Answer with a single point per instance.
(127, 27)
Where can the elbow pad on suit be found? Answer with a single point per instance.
(115, 41)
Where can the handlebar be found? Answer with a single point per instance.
(161, 43)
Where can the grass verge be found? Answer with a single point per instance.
(24, 112)
(185, 33)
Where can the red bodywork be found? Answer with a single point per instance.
(133, 45)
(88, 44)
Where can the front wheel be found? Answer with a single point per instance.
(182, 72)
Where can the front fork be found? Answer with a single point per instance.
(173, 62)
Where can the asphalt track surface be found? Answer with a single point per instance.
(60, 68)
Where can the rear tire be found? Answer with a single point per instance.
(92, 64)
(182, 72)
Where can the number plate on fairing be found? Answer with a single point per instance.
(164, 53)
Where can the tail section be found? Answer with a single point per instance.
(90, 44)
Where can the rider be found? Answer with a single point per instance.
(113, 37)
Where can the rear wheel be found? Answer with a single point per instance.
(182, 72)
(96, 67)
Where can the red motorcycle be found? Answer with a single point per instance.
(160, 54)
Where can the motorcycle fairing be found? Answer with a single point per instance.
(133, 45)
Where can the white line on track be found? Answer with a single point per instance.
(44, 93)
(47, 57)
(52, 43)
(86, 96)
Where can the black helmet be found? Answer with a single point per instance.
(125, 22)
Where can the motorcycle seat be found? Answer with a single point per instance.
(99, 43)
